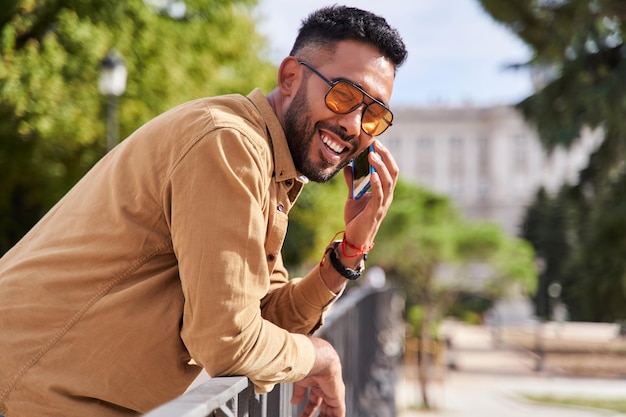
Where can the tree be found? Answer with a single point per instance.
(422, 234)
(313, 221)
(595, 272)
(545, 225)
(52, 126)
(578, 48)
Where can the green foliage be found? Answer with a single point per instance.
(478, 240)
(314, 220)
(52, 116)
(424, 231)
(469, 307)
(514, 261)
(582, 238)
(415, 317)
(595, 275)
(545, 224)
(420, 224)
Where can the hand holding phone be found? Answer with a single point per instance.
(361, 173)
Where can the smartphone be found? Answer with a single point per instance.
(361, 173)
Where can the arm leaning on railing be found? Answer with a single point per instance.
(359, 325)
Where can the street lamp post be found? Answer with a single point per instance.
(112, 84)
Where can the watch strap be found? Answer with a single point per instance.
(351, 274)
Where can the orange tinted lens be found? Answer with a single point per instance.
(343, 98)
(376, 119)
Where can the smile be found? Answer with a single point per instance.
(336, 147)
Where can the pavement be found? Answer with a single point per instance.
(490, 379)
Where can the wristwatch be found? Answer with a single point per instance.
(351, 274)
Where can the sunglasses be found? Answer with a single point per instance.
(344, 97)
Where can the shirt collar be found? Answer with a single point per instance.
(284, 167)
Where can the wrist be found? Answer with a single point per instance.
(343, 265)
(345, 261)
(349, 250)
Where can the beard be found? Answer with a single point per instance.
(300, 131)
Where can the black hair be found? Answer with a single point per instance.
(332, 24)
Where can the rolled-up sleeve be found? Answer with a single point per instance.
(300, 304)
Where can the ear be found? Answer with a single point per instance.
(289, 76)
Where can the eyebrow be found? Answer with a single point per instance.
(361, 87)
(365, 91)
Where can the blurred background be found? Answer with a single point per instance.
(457, 53)
(507, 236)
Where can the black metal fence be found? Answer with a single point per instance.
(366, 328)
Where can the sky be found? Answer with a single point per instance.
(456, 52)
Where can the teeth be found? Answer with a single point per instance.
(332, 145)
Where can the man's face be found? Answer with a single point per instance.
(321, 141)
(301, 131)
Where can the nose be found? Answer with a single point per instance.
(351, 122)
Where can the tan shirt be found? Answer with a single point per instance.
(166, 253)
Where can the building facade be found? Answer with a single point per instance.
(488, 160)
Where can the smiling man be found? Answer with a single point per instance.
(166, 257)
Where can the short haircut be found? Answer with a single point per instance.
(329, 25)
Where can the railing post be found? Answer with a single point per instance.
(252, 404)
(366, 329)
(279, 401)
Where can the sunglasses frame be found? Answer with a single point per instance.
(332, 85)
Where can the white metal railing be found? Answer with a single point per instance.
(226, 396)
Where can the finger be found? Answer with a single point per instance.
(378, 180)
(299, 394)
(381, 171)
(347, 176)
(388, 172)
(330, 411)
(387, 168)
(312, 404)
(387, 158)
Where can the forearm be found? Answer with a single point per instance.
(299, 305)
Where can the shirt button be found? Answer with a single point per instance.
(289, 183)
(271, 257)
(281, 208)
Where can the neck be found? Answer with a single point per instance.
(277, 103)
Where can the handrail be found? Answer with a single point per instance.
(364, 326)
(215, 394)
